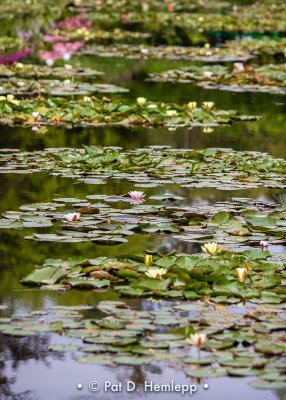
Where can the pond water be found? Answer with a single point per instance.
(28, 370)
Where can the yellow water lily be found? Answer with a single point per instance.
(197, 339)
(241, 274)
(141, 101)
(192, 105)
(148, 259)
(156, 273)
(208, 104)
(210, 248)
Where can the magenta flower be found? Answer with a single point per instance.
(137, 197)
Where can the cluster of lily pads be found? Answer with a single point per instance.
(242, 221)
(91, 111)
(216, 276)
(245, 344)
(29, 87)
(145, 51)
(224, 169)
(22, 71)
(267, 78)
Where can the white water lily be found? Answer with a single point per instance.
(208, 104)
(19, 65)
(210, 248)
(141, 101)
(241, 274)
(156, 273)
(263, 244)
(171, 113)
(72, 217)
(148, 259)
(11, 99)
(20, 84)
(86, 99)
(192, 105)
(68, 67)
(152, 106)
(197, 339)
(36, 115)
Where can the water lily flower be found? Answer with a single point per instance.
(72, 217)
(171, 113)
(11, 99)
(36, 116)
(144, 51)
(19, 65)
(208, 104)
(209, 53)
(208, 130)
(148, 259)
(156, 273)
(68, 67)
(210, 248)
(208, 74)
(263, 244)
(141, 101)
(67, 82)
(20, 84)
(192, 105)
(197, 339)
(86, 99)
(137, 197)
(152, 106)
(239, 66)
(241, 274)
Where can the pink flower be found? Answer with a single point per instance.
(49, 56)
(137, 197)
(72, 217)
(171, 7)
(240, 67)
(70, 47)
(263, 244)
(208, 74)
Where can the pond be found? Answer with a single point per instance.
(103, 326)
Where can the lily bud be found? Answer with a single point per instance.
(241, 274)
(148, 259)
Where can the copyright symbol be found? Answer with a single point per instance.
(93, 386)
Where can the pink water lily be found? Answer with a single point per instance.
(137, 197)
(208, 74)
(263, 244)
(239, 66)
(72, 217)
